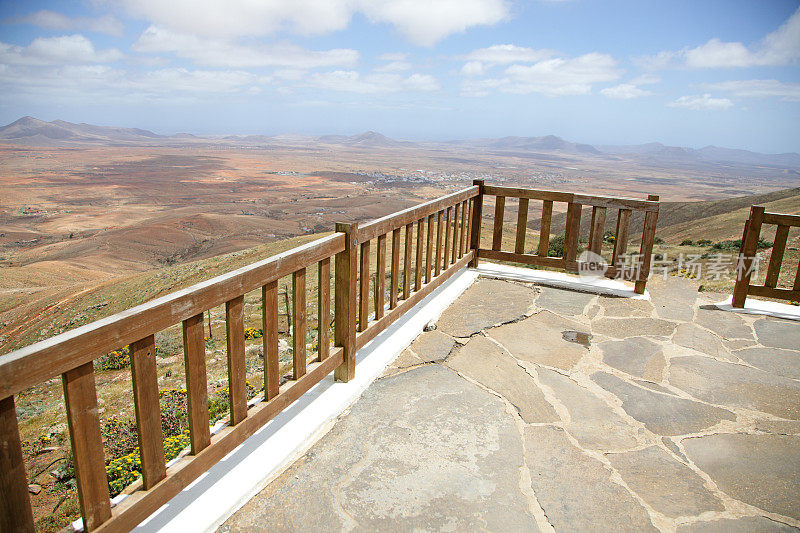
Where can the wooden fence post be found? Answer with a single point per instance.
(15, 504)
(477, 214)
(747, 252)
(646, 250)
(344, 328)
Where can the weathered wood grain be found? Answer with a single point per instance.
(194, 356)
(15, 504)
(522, 226)
(299, 326)
(148, 410)
(344, 329)
(269, 320)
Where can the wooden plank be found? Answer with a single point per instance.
(43, 360)
(797, 278)
(394, 287)
(646, 248)
(499, 213)
(237, 374)
(419, 250)
(476, 222)
(380, 275)
(372, 229)
(776, 257)
(538, 260)
(616, 202)
(429, 250)
(269, 321)
(522, 226)
(148, 410)
(530, 194)
(407, 261)
(572, 232)
(344, 329)
(194, 356)
(439, 226)
(324, 306)
(363, 286)
(83, 418)
(772, 292)
(621, 237)
(462, 240)
(597, 228)
(781, 219)
(468, 236)
(141, 504)
(544, 228)
(456, 232)
(15, 504)
(299, 355)
(415, 298)
(448, 218)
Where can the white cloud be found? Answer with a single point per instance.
(559, 77)
(423, 22)
(473, 68)
(759, 89)
(499, 54)
(624, 91)
(67, 49)
(394, 56)
(353, 81)
(57, 21)
(394, 66)
(702, 102)
(780, 47)
(222, 53)
(646, 79)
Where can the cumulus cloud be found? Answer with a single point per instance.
(221, 53)
(423, 22)
(67, 49)
(473, 68)
(508, 53)
(759, 89)
(52, 20)
(780, 47)
(624, 91)
(394, 66)
(353, 81)
(561, 77)
(702, 102)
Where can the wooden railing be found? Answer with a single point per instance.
(429, 243)
(618, 265)
(747, 255)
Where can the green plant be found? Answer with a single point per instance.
(253, 333)
(704, 242)
(687, 242)
(609, 237)
(556, 246)
(114, 360)
(659, 240)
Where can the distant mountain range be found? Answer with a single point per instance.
(34, 132)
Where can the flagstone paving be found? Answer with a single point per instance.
(533, 408)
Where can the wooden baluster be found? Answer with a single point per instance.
(796, 285)
(439, 224)
(448, 218)
(544, 228)
(646, 249)
(194, 355)
(299, 355)
(456, 232)
(15, 504)
(237, 373)
(324, 305)
(499, 213)
(462, 241)
(621, 241)
(407, 261)
(776, 258)
(747, 252)
(380, 273)
(344, 330)
(420, 248)
(522, 226)
(269, 321)
(395, 277)
(83, 418)
(476, 223)
(363, 283)
(148, 410)
(597, 227)
(429, 250)
(572, 232)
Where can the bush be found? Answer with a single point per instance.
(704, 242)
(123, 471)
(609, 237)
(114, 360)
(253, 333)
(734, 245)
(659, 240)
(687, 242)
(556, 246)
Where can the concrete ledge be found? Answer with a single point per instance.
(561, 280)
(763, 307)
(229, 484)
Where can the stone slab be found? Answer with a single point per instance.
(625, 307)
(701, 340)
(778, 333)
(433, 346)
(638, 356)
(726, 325)
(622, 328)
(747, 524)
(781, 362)
(488, 302)
(563, 302)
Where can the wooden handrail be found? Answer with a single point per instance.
(747, 255)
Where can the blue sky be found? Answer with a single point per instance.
(602, 72)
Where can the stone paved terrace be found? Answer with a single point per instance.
(533, 408)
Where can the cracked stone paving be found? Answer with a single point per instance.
(531, 408)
